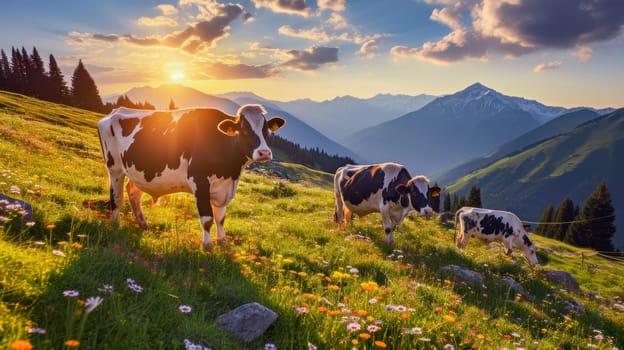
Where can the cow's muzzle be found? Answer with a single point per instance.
(263, 155)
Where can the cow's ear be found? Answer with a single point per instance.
(275, 123)
(435, 191)
(228, 127)
(402, 188)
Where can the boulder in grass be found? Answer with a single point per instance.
(563, 278)
(248, 321)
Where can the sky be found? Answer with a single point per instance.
(558, 52)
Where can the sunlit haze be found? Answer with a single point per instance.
(287, 50)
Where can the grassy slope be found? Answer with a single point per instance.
(285, 253)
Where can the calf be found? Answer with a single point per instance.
(387, 188)
(493, 225)
(197, 150)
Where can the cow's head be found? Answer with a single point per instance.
(418, 190)
(522, 241)
(252, 130)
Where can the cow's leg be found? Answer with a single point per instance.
(389, 226)
(219, 216)
(201, 190)
(116, 180)
(135, 195)
(508, 247)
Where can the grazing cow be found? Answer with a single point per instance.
(387, 188)
(196, 150)
(493, 225)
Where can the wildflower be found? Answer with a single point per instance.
(185, 309)
(21, 345)
(92, 303)
(322, 309)
(14, 190)
(449, 319)
(515, 335)
(35, 330)
(401, 308)
(425, 339)
(71, 293)
(352, 327)
(415, 330)
(106, 288)
(188, 345)
(270, 346)
(365, 336)
(58, 252)
(362, 313)
(354, 271)
(72, 343)
(369, 286)
(301, 310)
(133, 286)
(312, 346)
(372, 328)
(77, 245)
(372, 301)
(51, 227)
(449, 347)
(30, 224)
(380, 344)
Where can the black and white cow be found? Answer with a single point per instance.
(197, 150)
(387, 188)
(493, 225)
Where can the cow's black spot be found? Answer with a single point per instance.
(390, 194)
(362, 184)
(469, 223)
(492, 224)
(110, 161)
(127, 125)
(527, 241)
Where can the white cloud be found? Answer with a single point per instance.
(547, 66)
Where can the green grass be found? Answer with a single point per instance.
(330, 287)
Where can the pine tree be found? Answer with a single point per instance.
(18, 75)
(37, 79)
(596, 227)
(5, 71)
(474, 197)
(564, 213)
(56, 89)
(84, 92)
(547, 216)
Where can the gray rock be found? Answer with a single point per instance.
(565, 279)
(513, 285)
(248, 321)
(473, 278)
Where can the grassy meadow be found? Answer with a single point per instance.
(69, 279)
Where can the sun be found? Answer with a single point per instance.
(177, 76)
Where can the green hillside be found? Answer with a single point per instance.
(572, 164)
(332, 288)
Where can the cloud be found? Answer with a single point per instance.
(554, 23)
(547, 66)
(311, 59)
(333, 5)
(157, 21)
(517, 27)
(224, 71)
(583, 53)
(313, 34)
(167, 11)
(203, 34)
(369, 48)
(293, 7)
